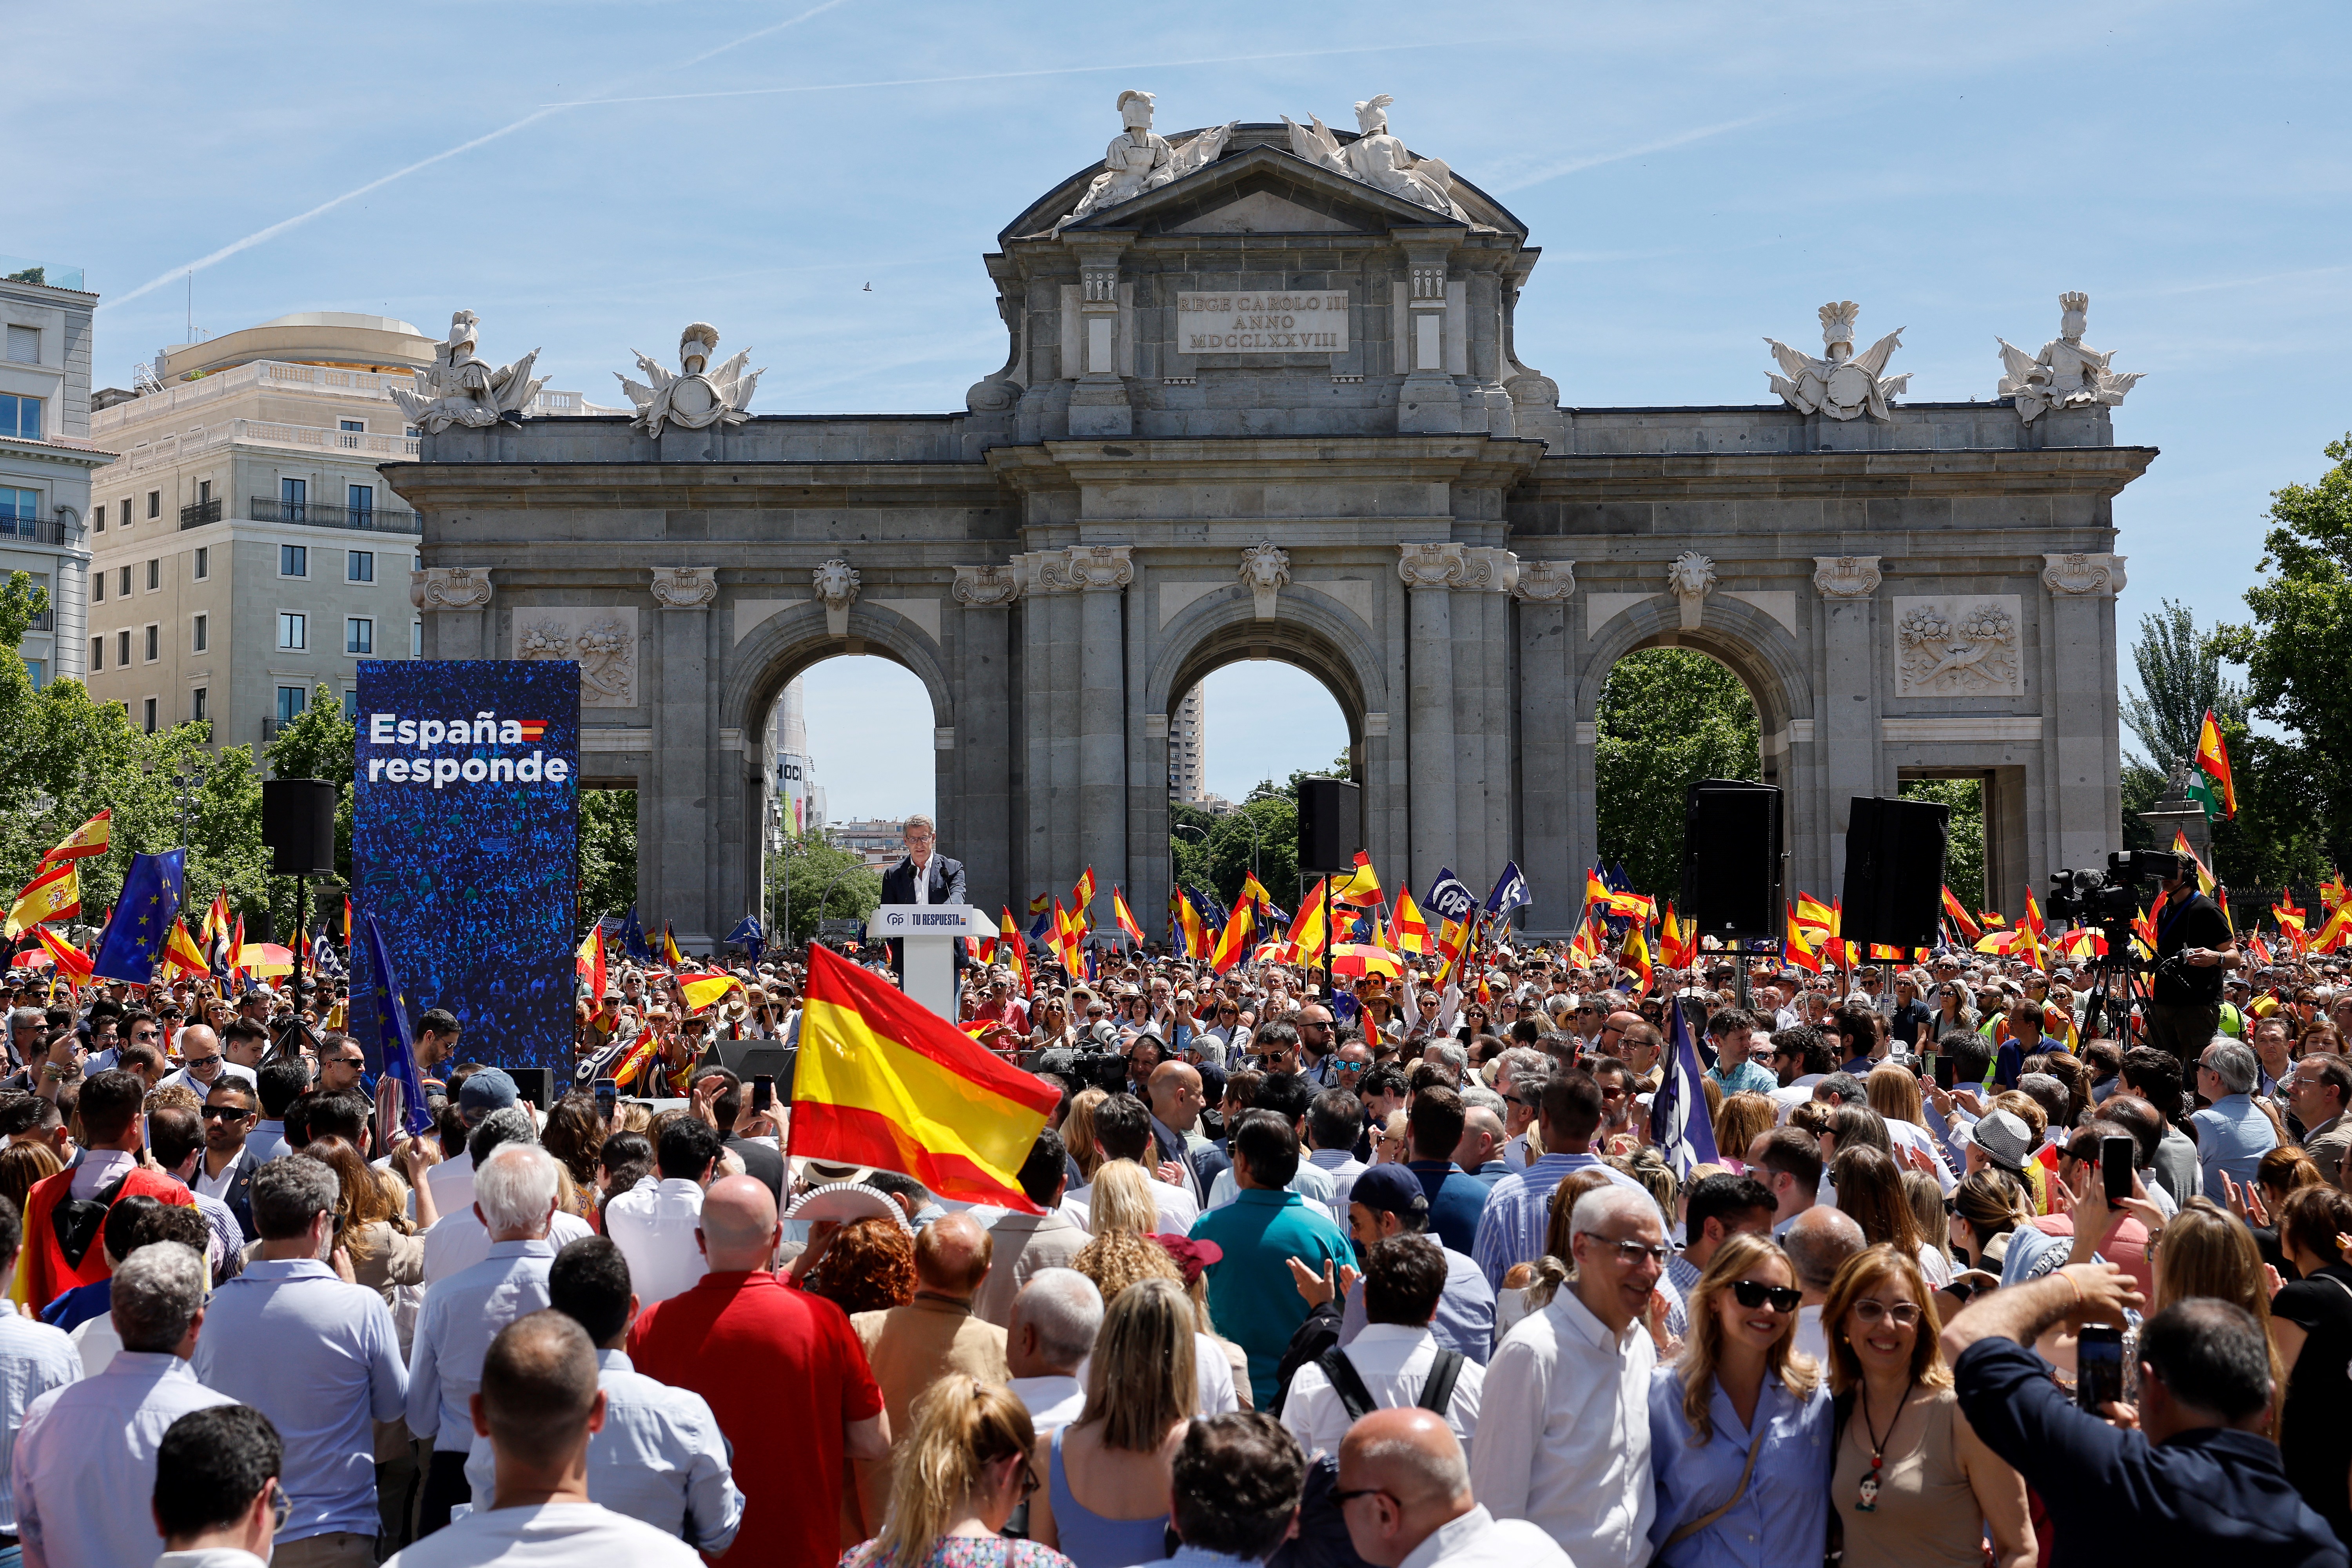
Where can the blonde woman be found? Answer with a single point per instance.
(1120, 1199)
(2206, 1252)
(1912, 1485)
(958, 1475)
(1739, 1426)
(1105, 1503)
(1894, 1093)
(1745, 1116)
(1078, 1133)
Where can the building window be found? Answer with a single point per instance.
(25, 344)
(293, 560)
(293, 496)
(417, 639)
(154, 503)
(154, 641)
(124, 512)
(98, 587)
(360, 498)
(97, 655)
(359, 565)
(198, 642)
(98, 520)
(38, 670)
(359, 635)
(19, 509)
(204, 492)
(203, 562)
(122, 581)
(360, 425)
(154, 574)
(351, 703)
(20, 417)
(293, 630)
(122, 647)
(412, 432)
(291, 700)
(197, 705)
(147, 718)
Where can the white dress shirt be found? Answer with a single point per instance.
(1479, 1539)
(550, 1535)
(1342, 1166)
(228, 1071)
(462, 1315)
(85, 1463)
(1564, 1434)
(95, 1341)
(652, 1224)
(660, 1459)
(211, 1557)
(452, 1181)
(1053, 1401)
(1394, 1362)
(322, 1360)
(97, 1169)
(458, 1240)
(34, 1359)
(1810, 1338)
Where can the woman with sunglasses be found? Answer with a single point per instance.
(1912, 1485)
(1739, 1426)
(956, 1480)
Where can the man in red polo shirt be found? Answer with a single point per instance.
(784, 1372)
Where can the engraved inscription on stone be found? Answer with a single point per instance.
(1241, 322)
(1963, 644)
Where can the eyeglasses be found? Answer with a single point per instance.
(1349, 1067)
(224, 1112)
(1343, 1496)
(198, 1064)
(1754, 1293)
(146, 1034)
(1631, 1253)
(1902, 1314)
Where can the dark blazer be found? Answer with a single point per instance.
(946, 887)
(239, 1193)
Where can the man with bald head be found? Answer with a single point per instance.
(1817, 1243)
(1176, 1102)
(935, 1335)
(1406, 1485)
(784, 1374)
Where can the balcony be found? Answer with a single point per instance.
(316, 514)
(203, 512)
(17, 270)
(35, 530)
(180, 447)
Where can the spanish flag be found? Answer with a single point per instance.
(91, 838)
(53, 894)
(1065, 942)
(1959, 916)
(883, 1083)
(700, 990)
(1412, 930)
(1636, 957)
(1126, 917)
(2213, 759)
(587, 961)
(181, 953)
(1359, 887)
(2332, 934)
(1306, 939)
(216, 918)
(1814, 917)
(72, 963)
(676, 959)
(1082, 901)
(1188, 924)
(1016, 951)
(1234, 942)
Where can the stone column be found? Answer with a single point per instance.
(1546, 735)
(1430, 572)
(2084, 797)
(456, 601)
(1101, 573)
(981, 671)
(679, 885)
(1846, 700)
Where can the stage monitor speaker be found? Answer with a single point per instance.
(1895, 870)
(536, 1085)
(1330, 825)
(297, 824)
(1731, 859)
(747, 1059)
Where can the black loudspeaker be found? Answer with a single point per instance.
(1895, 870)
(536, 1085)
(298, 822)
(1330, 825)
(1731, 858)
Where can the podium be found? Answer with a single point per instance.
(927, 934)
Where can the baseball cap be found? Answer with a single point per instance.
(487, 1090)
(2002, 1135)
(1388, 1189)
(1191, 1257)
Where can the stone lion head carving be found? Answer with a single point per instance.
(1690, 576)
(836, 582)
(1266, 565)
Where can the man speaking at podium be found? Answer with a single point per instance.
(924, 877)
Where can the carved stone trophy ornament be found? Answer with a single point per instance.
(1377, 158)
(696, 397)
(1140, 159)
(460, 389)
(1844, 386)
(2067, 373)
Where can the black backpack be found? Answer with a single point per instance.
(1322, 1541)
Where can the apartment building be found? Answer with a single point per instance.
(246, 548)
(1188, 749)
(45, 453)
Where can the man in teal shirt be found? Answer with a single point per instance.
(1252, 1298)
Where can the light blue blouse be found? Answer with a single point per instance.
(1784, 1516)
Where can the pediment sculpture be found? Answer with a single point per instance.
(460, 389)
(2067, 373)
(1140, 158)
(1378, 159)
(1843, 384)
(695, 397)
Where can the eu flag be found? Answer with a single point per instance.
(133, 943)
(633, 938)
(748, 935)
(379, 1009)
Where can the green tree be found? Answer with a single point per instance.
(1964, 858)
(1669, 717)
(608, 852)
(21, 604)
(847, 888)
(2181, 680)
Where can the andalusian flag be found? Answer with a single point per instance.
(1959, 916)
(883, 1083)
(53, 894)
(588, 960)
(700, 990)
(1412, 930)
(2213, 759)
(91, 838)
(1126, 917)
(1361, 887)
(181, 953)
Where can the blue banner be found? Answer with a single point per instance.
(465, 848)
(133, 943)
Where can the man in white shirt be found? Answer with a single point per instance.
(1564, 1422)
(202, 1062)
(539, 1406)
(1409, 1505)
(1123, 1132)
(1394, 1361)
(653, 1223)
(1335, 1120)
(1817, 1243)
(218, 1491)
(85, 1458)
(34, 1359)
(1055, 1320)
(459, 1239)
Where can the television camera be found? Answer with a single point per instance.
(2109, 899)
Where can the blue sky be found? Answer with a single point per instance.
(1699, 177)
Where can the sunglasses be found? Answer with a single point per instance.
(224, 1112)
(1754, 1293)
(1902, 1314)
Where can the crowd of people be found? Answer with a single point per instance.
(1314, 1271)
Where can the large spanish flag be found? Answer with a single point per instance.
(884, 1081)
(53, 894)
(91, 838)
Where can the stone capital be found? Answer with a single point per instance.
(1491, 568)
(2084, 574)
(1845, 576)
(685, 587)
(988, 587)
(1545, 582)
(1101, 567)
(1436, 565)
(449, 588)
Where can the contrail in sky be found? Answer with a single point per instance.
(1593, 160)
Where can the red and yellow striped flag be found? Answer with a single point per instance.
(91, 838)
(1234, 942)
(72, 963)
(1126, 917)
(1412, 930)
(701, 989)
(181, 953)
(1016, 952)
(882, 1081)
(53, 894)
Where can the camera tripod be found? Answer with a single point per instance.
(2116, 983)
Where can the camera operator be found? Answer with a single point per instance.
(2194, 948)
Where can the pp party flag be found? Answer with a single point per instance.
(589, 962)
(92, 838)
(1361, 887)
(1510, 891)
(1412, 931)
(702, 989)
(883, 1083)
(72, 963)
(53, 894)
(133, 943)
(1959, 916)
(181, 953)
(380, 1016)
(1449, 897)
(2213, 760)
(1678, 1121)
(1126, 917)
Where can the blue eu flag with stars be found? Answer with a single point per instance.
(133, 943)
(377, 1004)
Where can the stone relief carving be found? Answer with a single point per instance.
(2081, 573)
(2067, 373)
(987, 587)
(1690, 578)
(685, 587)
(1842, 386)
(836, 583)
(460, 389)
(1491, 568)
(449, 588)
(695, 397)
(1546, 582)
(1140, 159)
(604, 639)
(1266, 567)
(1102, 566)
(1438, 566)
(1845, 576)
(1378, 159)
(1963, 646)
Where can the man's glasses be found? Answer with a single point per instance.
(1902, 1314)
(1754, 1293)
(1349, 1067)
(200, 1064)
(224, 1112)
(1631, 1253)
(146, 1034)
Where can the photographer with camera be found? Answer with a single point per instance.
(2194, 948)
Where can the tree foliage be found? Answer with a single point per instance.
(1669, 717)
(608, 852)
(820, 874)
(2181, 680)
(21, 604)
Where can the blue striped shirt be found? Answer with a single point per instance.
(34, 1359)
(1517, 1214)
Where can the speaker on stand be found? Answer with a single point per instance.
(1731, 859)
(1330, 832)
(297, 824)
(1895, 850)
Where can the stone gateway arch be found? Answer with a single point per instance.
(1262, 398)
